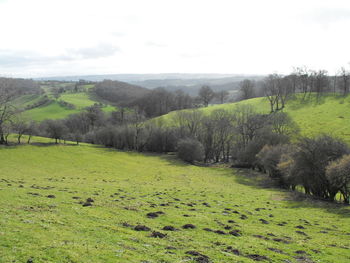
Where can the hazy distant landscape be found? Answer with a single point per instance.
(191, 83)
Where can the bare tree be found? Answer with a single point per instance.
(271, 87)
(246, 123)
(188, 121)
(222, 96)
(32, 129)
(344, 80)
(20, 127)
(246, 88)
(7, 110)
(55, 129)
(206, 94)
(222, 133)
(302, 80)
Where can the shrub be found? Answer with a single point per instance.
(338, 175)
(247, 156)
(270, 157)
(311, 160)
(66, 105)
(54, 129)
(190, 150)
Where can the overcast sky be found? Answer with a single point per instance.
(80, 37)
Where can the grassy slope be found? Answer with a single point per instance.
(50, 111)
(54, 110)
(331, 114)
(126, 186)
(26, 100)
(80, 100)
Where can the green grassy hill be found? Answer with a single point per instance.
(215, 212)
(53, 109)
(330, 114)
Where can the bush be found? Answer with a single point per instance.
(338, 175)
(190, 150)
(54, 129)
(66, 104)
(311, 160)
(43, 101)
(270, 157)
(161, 140)
(247, 156)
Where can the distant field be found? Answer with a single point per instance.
(50, 111)
(80, 100)
(216, 212)
(331, 114)
(54, 110)
(26, 100)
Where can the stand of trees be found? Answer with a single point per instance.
(241, 136)
(319, 165)
(278, 88)
(7, 110)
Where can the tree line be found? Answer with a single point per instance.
(155, 102)
(242, 136)
(269, 143)
(279, 88)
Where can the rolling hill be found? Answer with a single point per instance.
(67, 203)
(43, 106)
(330, 114)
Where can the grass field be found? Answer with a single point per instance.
(330, 114)
(216, 213)
(26, 100)
(54, 110)
(50, 111)
(80, 100)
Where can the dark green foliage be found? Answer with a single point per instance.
(190, 150)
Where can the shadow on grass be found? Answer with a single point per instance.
(47, 144)
(39, 144)
(295, 199)
(243, 176)
(170, 158)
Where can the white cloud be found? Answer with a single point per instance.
(52, 37)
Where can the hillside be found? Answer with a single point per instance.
(118, 92)
(330, 114)
(189, 83)
(218, 214)
(43, 106)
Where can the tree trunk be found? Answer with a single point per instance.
(2, 139)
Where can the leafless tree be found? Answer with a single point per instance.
(271, 87)
(344, 80)
(302, 80)
(32, 130)
(222, 96)
(206, 94)
(222, 133)
(7, 109)
(246, 88)
(189, 122)
(19, 126)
